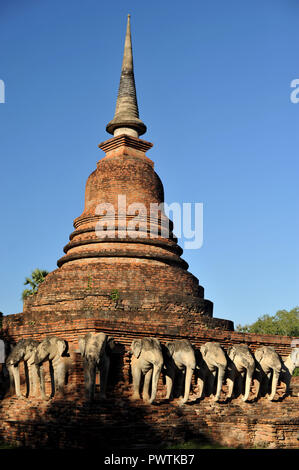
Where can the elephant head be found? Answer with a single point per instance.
(94, 345)
(268, 361)
(95, 349)
(52, 349)
(179, 357)
(212, 361)
(294, 359)
(240, 361)
(288, 367)
(24, 350)
(147, 359)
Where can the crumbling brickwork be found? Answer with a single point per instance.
(71, 422)
(146, 270)
(121, 424)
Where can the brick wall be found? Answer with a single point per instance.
(119, 423)
(71, 422)
(126, 327)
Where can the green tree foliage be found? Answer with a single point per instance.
(282, 323)
(37, 277)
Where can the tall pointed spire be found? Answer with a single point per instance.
(126, 118)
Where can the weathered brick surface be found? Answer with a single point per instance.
(156, 296)
(147, 272)
(118, 421)
(125, 328)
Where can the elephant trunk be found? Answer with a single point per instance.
(89, 378)
(188, 378)
(221, 374)
(155, 378)
(275, 379)
(14, 379)
(249, 375)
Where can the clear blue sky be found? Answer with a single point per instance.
(213, 84)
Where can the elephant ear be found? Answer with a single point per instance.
(17, 353)
(259, 353)
(61, 346)
(82, 342)
(295, 356)
(171, 348)
(136, 347)
(82, 345)
(110, 343)
(231, 352)
(204, 349)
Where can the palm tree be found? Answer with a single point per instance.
(37, 277)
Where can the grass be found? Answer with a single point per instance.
(5, 445)
(194, 444)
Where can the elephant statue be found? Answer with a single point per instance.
(288, 367)
(24, 350)
(179, 360)
(95, 349)
(210, 362)
(54, 350)
(147, 360)
(241, 363)
(268, 365)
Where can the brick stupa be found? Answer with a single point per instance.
(144, 275)
(131, 287)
